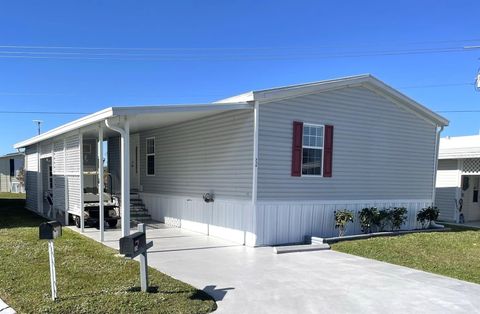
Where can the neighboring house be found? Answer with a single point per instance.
(279, 162)
(458, 179)
(10, 167)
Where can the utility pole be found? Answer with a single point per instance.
(38, 122)
(477, 81)
(477, 78)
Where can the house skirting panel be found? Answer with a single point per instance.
(290, 221)
(225, 218)
(272, 222)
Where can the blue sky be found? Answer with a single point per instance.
(207, 50)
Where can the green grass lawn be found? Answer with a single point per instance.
(455, 253)
(6, 195)
(90, 277)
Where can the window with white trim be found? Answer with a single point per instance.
(150, 149)
(312, 149)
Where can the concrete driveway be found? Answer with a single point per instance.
(247, 280)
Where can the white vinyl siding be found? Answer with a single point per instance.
(447, 184)
(73, 155)
(380, 150)
(31, 178)
(46, 149)
(72, 169)
(211, 154)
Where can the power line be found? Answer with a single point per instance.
(231, 48)
(43, 112)
(458, 111)
(280, 55)
(437, 85)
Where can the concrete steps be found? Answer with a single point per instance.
(138, 211)
(300, 248)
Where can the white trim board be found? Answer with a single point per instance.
(340, 202)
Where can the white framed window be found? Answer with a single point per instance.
(312, 149)
(150, 156)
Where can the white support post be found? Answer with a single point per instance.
(66, 180)
(125, 174)
(39, 183)
(82, 214)
(126, 180)
(100, 183)
(53, 182)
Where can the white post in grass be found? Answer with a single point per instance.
(126, 179)
(100, 183)
(143, 263)
(53, 277)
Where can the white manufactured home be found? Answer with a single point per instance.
(458, 179)
(11, 166)
(262, 168)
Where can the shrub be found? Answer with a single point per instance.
(368, 217)
(382, 219)
(342, 218)
(397, 217)
(426, 215)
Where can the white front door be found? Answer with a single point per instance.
(134, 161)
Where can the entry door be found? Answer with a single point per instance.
(134, 161)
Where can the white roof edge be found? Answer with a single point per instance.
(245, 97)
(438, 119)
(126, 111)
(92, 118)
(268, 95)
(13, 154)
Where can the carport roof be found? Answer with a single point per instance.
(144, 117)
(459, 147)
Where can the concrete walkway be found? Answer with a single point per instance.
(247, 280)
(5, 308)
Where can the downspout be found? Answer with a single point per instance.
(435, 162)
(251, 239)
(125, 176)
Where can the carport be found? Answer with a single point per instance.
(76, 150)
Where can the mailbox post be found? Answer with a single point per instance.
(134, 245)
(50, 231)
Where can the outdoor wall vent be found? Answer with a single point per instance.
(209, 197)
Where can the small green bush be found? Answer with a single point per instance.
(342, 218)
(426, 215)
(368, 217)
(382, 219)
(397, 217)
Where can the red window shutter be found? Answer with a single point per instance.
(328, 151)
(297, 149)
